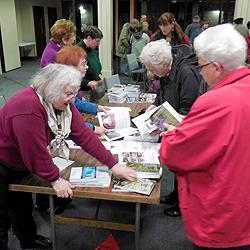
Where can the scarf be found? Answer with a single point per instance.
(59, 123)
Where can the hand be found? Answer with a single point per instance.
(150, 108)
(101, 77)
(99, 130)
(63, 188)
(102, 108)
(168, 128)
(92, 85)
(123, 172)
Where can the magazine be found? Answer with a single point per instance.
(116, 123)
(141, 186)
(90, 176)
(155, 119)
(62, 163)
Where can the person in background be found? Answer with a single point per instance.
(207, 151)
(93, 79)
(240, 27)
(77, 57)
(143, 18)
(63, 32)
(195, 33)
(170, 30)
(124, 46)
(33, 125)
(138, 40)
(179, 85)
(193, 26)
(248, 42)
(145, 28)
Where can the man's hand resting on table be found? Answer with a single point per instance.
(123, 172)
(63, 188)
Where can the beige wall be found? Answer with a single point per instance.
(242, 9)
(9, 34)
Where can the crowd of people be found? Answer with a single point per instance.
(201, 72)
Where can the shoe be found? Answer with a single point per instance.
(173, 211)
(170, 199)
(39, 242)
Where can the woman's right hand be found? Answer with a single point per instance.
(150, 108)
(63, 188)
(123, 172)
(93, 85)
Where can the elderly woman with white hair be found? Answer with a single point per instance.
(33, 124)
(209, 152)
(179, 85)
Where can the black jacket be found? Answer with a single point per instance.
(181, 86)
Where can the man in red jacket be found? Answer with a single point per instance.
(208, 150)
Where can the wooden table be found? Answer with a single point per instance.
(35, 184)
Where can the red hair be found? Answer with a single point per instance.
(70, 55)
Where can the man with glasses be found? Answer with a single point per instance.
(92, 81)
(213, 142)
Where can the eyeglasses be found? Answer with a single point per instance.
(84, 63)
(200, 67)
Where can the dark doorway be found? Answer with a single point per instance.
(52, 16)
(38, 14)
(1, 53)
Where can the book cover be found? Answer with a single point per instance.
(90, 176)
(155, 119)
(141, 186)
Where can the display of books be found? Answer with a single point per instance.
(141, 186)
(156, 119)
(90, 176)
(116, 123)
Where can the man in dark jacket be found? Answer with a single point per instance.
(180, 84)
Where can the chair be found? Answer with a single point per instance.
(2, 101)
(111, 80)
(134, 69)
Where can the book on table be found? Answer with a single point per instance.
(90, 176)
(116, 122)
(140, 185)
(156, 119)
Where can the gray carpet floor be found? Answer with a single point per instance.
(158, 232)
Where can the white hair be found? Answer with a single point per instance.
(157, 53)
(51, 81)
(222, 44)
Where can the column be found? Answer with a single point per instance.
(242, 9)
(105, 24)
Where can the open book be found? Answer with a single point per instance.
(90, 176)
(116, 123)
(156, 119)
(141, 186)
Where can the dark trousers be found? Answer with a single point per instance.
(15, 208)
(228, 248)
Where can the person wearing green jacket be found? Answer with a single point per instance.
(93, 78)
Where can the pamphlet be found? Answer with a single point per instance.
(141, 186)
(116, 123)
(156, 118)
(62, 163)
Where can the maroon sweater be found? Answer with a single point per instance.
(25, 135)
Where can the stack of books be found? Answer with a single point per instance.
(90, 176)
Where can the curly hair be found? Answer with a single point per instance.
(62, 28)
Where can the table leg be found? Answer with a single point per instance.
(137, 224)
(52, 221)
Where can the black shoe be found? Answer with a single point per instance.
(173, 211)
(170, 199)
(39, 242)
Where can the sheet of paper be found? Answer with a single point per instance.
(62, 163)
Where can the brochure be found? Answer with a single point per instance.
(155, 119)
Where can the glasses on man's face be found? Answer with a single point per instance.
(84, 63)
(200, 67)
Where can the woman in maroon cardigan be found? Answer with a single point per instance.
(33, 124)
